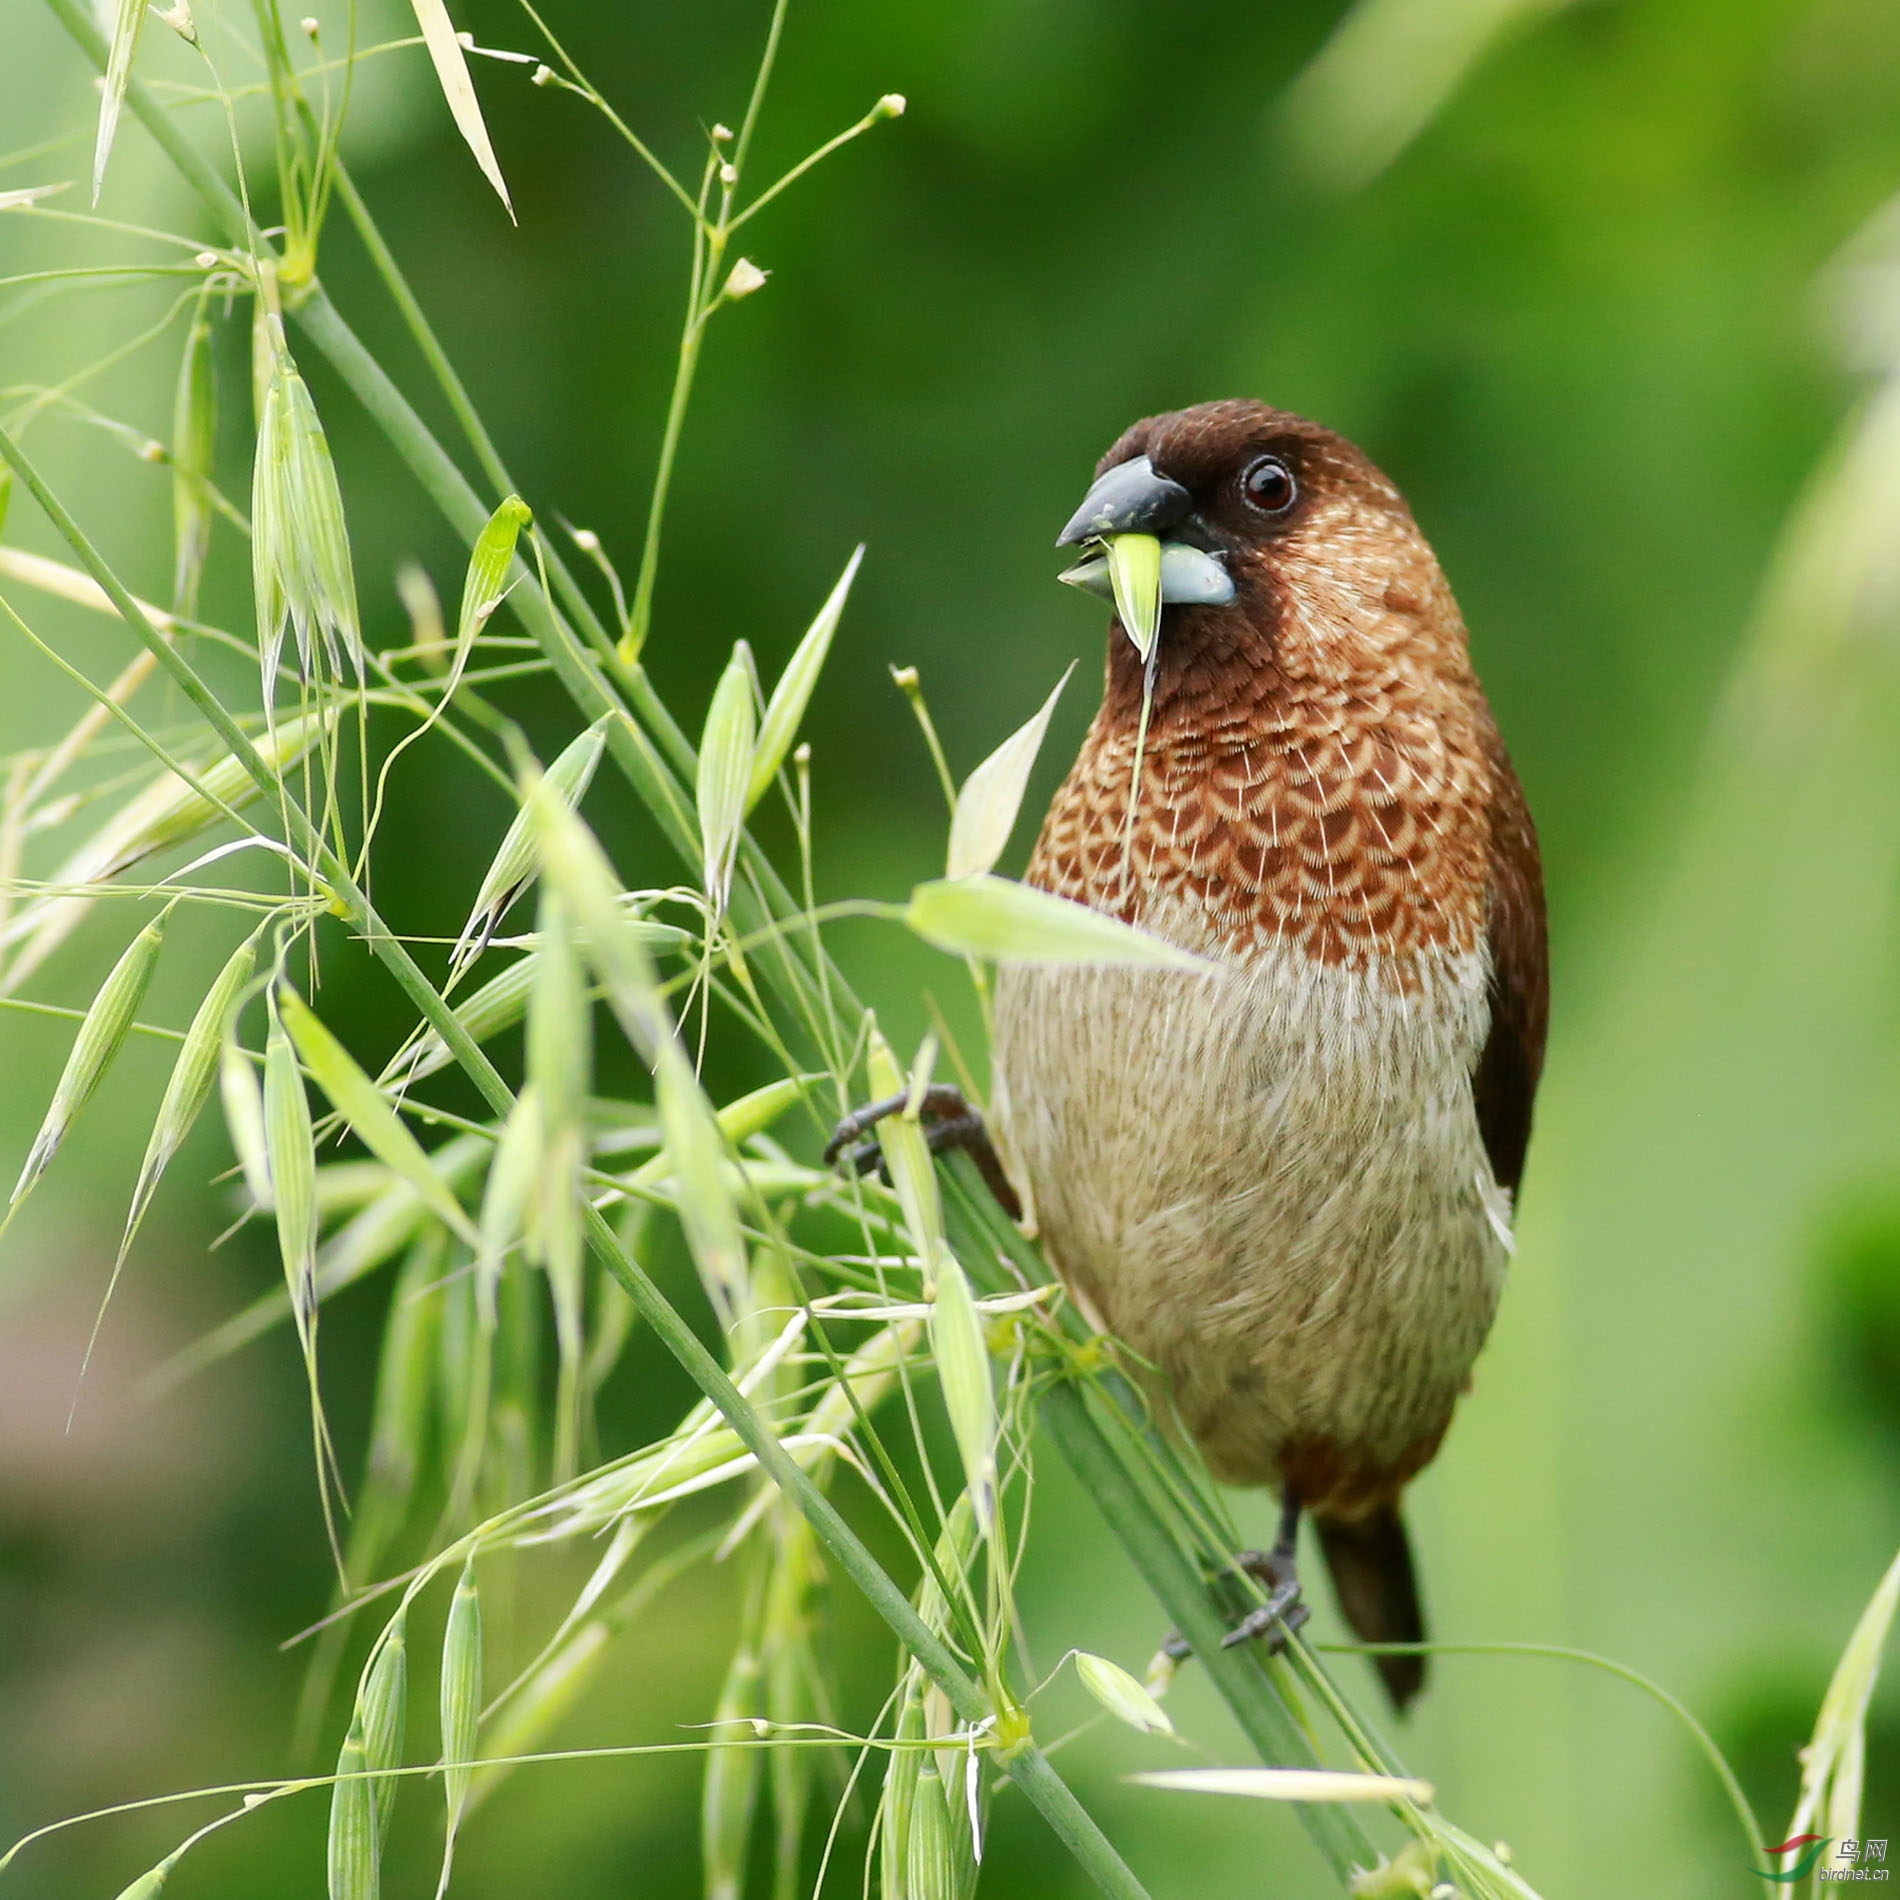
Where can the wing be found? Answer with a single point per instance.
(1505, 1080)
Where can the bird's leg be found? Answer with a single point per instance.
(950, 1122)
(1278, 1568)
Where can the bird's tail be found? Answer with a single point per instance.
(1371, 1562)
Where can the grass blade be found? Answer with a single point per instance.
(451, 70)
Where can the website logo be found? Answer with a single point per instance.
(1809, 1846)
(1853, 1859)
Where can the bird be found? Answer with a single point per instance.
(1288, 1186)
(1287, 1182)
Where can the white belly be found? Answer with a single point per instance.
(1270, 1183)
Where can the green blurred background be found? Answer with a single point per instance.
(1586, 319)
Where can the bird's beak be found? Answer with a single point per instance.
(1132, 498)
(1135, 498)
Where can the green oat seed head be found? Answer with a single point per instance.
(786, 708)
(727, 749)
(1007, 922)
(485, 586)
(1121, 1695)
(992, 795)
(102, 1034)
(460, 1695)
(300, 546)
(963, 1369)
(1134, 570)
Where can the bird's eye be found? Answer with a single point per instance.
(1270, 486)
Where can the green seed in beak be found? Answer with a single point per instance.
(1134, 570)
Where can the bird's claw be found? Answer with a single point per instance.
(1275, 1620)
(860, 1122)
(949, 1122)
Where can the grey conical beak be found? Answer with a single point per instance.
(1130, 499)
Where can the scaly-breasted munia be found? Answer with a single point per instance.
(1288, 1187)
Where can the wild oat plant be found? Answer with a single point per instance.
(854, 1315)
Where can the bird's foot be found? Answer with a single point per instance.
(949, 1123)
(1278, 1568)
(1282, 1613)
(1275, 1620)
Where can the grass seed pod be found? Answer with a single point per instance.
(696, 1151)
(368, 1111)
(165, 813)
(486, 583)
(785, 710)
(1006, 922)
(731, 1790)
(992, 795)
(963, 1368)
(291, 1153)
(1134, 572)
(385, 1710)
(128, 19)
(102, 1033)
(194, 444)
(191, 1078)
(1121, 1695)
(300, 546)
(355, 1870)
(243, 1100)
(726, 751)
(907, 1157)
(516, 860)
(461, 1694)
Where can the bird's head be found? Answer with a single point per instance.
(1236, 531)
